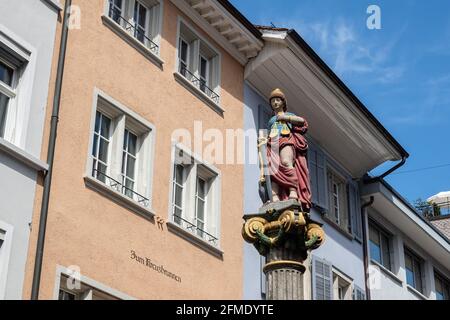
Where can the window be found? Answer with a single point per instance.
(100, 148)
(121, 151)
(341, 287)
(414, 273)
(69, 290)
(195, 189)
(9, 74)
(198, 62)
(139, 18)
(178, 187)
(338, 201)
(6, 232)
(2, 239)
(379, 245)
(442, 287)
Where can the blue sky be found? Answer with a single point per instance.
(400, 72)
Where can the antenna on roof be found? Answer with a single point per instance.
(273, 26)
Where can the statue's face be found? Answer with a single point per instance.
(277, 104)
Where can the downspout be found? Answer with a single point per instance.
(50, 155)
(365, 253)
(382, 176)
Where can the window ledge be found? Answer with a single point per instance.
(202, 244)
(388, 272)
(199, 93)
(22, 156)
(416, 292)
(117, 197)
(132, 41)
(338, 227)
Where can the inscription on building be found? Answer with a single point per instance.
(147, 262)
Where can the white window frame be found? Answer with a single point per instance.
(422, 273)
(5, 255)
(9, 90)
(444, 281)
(87, 286)
(127, 23)
(339, 281)
(123, 118)
(389, 236)
(193, 65)
(341, 183)
(195, 167)
(19, 107)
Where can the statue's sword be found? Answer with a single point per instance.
(265, 185)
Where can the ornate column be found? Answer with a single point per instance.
(284, 234)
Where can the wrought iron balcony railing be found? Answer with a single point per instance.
(115, 14)
(199, 84)
(119, 187)
(194, 229)
(434, 209)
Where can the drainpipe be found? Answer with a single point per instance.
(50, 155)
(365, 253)
(382, 176)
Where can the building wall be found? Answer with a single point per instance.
(18, 179)
(252, 202)
(89, 230)
(342, 253)
(391, 284)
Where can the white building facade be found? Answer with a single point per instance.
(408, 258)
(27, 37)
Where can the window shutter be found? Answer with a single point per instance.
(215, 74)
(358, 293)
(321, 180)
(312, 166)
(354, 209)
(194, 55)
(322, 279)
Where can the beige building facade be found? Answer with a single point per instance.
(134, 212)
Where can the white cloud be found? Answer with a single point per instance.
(350, 53)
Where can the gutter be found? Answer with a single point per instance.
(365, 242)
(369, 180)
(50, 155)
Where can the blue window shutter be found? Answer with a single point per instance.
(354, 207)
(322, 190)
(358, 293)
(312, 166)
(322, 278)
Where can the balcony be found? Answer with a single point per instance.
(119, 187)
(195, 230)
(432, 210)
(199, 84)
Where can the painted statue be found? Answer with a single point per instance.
(284, 155)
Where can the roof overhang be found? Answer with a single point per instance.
(226, 25)
(396, 210)
(338, 121)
